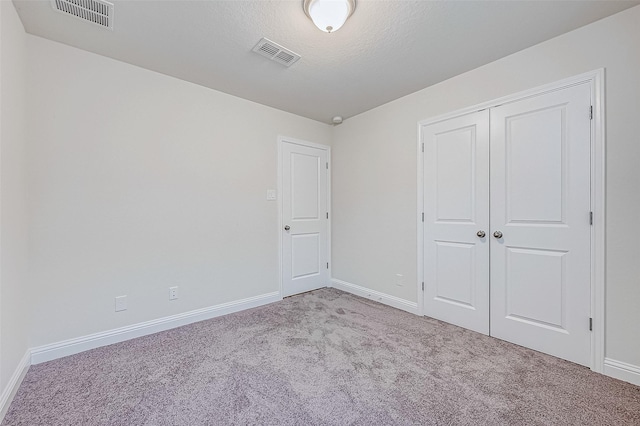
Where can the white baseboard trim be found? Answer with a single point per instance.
(622, 371)
(378, 296)
(14, 383)
(96, 340)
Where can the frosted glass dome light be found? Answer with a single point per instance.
(329, 15)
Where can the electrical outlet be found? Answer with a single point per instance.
(399, 280)
(121, 303)
(173, 293)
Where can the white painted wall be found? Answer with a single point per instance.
(14, 307)
(138, 182)
(375, 166)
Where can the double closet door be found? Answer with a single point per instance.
(507, 239)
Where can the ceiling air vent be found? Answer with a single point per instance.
(275, 52)
(95, 11)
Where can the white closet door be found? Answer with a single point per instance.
(540, 203)
(456, 207)
(305, 217)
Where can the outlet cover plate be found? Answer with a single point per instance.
(399, 280)
(121, 303)
(173, 293)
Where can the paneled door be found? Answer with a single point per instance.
(305, 214)
(540, 223)
(507, 234)
(456, 216)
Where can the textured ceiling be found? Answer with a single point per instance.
(386, 50)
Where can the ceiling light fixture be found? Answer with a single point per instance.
(329, 15)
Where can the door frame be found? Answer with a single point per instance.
(596, 81)
(281, 141)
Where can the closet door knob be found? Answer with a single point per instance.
(481, 234)
(497, 234)
(287, 227)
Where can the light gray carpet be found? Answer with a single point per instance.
(321, 358)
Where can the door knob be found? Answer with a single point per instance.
(287, 227)
(497, 234)
(481, 234)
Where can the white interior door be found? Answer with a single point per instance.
(304, 217)
(540, 204)
(456, 217)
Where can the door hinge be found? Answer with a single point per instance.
(591, 112)
(590, 218)
(327, 265)
(422, 146)
(590, 324)
(423, 216)
(327, 166)
(327, 215)
(422, 285)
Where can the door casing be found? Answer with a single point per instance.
(281, 141)
(596, 80)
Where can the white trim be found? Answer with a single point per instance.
(622, 371)
(420, 223)
(280, 224)
(285, 139)
(329, 259)
(598, 240)
(383, 298)
(303, 143)
(598, 172)
(96, 340)
(14, 383)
